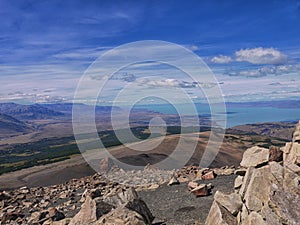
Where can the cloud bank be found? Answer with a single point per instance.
(261, 56)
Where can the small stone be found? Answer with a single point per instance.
(24, 190)
(208, 176)
(238, 182)
(63, 195)
(209, 186)
(173, 181)
(27, 204)
(152, 187)
(192, 185)
(200, 191)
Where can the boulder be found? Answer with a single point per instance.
(232, 202)
(246, 181)
(257, 193)
(91, 210)
(255, 157)
(130, 200)
(142, 209)
(121, 216)
(122, 197)
(219, 216)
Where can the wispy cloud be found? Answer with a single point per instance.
(265, 71)
(221, 59)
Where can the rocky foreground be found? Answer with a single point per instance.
(267, 192)
(265, 189)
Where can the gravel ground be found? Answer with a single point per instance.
(174, 205)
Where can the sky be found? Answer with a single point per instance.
(252, 47)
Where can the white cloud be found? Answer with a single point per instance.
(261, 56)
(266, 70)
(174, 83)
(160, 83)
(221, 59)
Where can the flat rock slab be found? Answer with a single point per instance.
(176, 205)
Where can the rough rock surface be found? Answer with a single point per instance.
(270, 190)
(233, 202)
(255, 156)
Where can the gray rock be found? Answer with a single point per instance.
(258, 190)
(91, 210)
(254, 219)
(173, 181)
(219, 216)
(232, 202)
(255, 156)
(121, 216)
(238, 182)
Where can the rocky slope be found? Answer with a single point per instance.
(264, 189)
(93, 199)
(267, 192)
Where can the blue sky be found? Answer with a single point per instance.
(253, 47)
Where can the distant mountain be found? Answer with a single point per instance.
(68, 107)
(281, 104)
(28, 112)
(10, 126)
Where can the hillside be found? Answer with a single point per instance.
(282, 130)
(10, 126)
(230, 154)
(28, 112)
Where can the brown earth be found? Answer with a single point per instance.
(229, 154)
